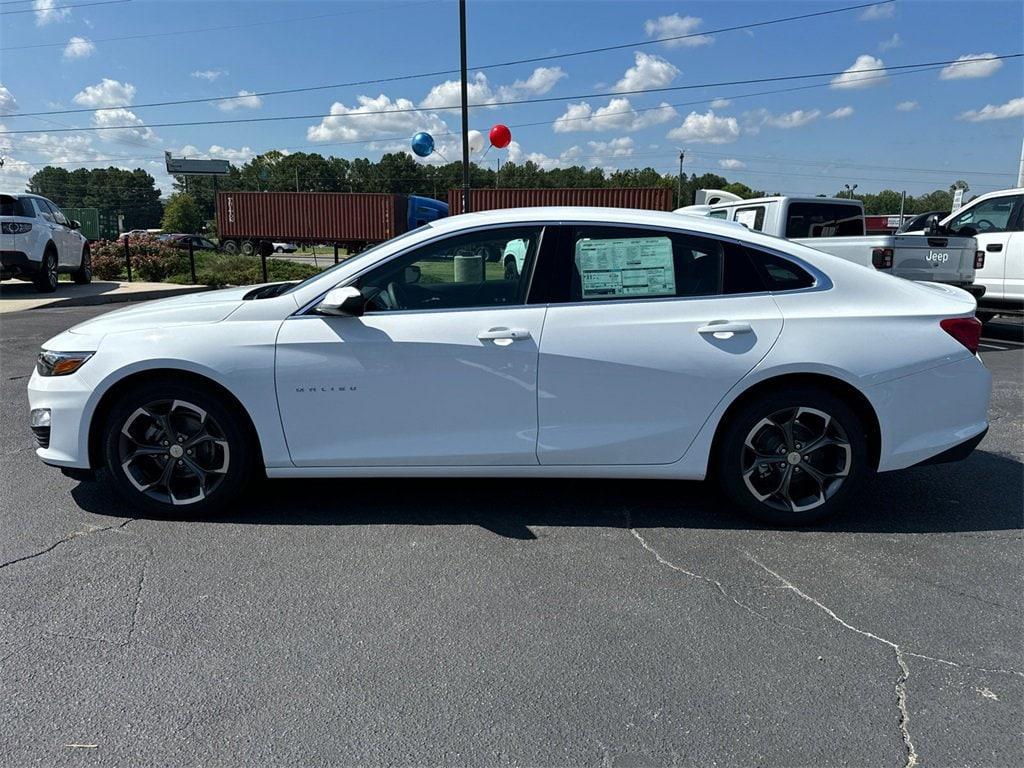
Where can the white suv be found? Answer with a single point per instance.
(37, 241)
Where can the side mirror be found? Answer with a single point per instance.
(932, 224)
(342, 302)
(75, 224)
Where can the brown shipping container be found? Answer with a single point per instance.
(321, 217)
(648, 198)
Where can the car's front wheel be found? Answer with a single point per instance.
(174, 448)
(793, 456)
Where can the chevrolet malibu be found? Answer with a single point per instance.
(613, 343)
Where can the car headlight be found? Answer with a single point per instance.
(60, 363)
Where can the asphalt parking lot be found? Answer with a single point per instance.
(510, 622)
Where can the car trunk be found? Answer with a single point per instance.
(939, 258)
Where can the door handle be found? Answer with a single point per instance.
(512, 334)
(725, 326)
(994, 247)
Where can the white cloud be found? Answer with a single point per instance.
(8, 103)
(617, 115)
(208, 74)
(620, 147)
(731, 164)
(448, 95)
(795, 119)
(129, 132)
(859, 75)
(64, 148)
(876, 12)
(79, 48)
(973, 65)
(840, 113)
(893, 42)
(906, 106)
(244, 100)
(544, 162)
(708, 128)
(49, 12)
(648, 71)
(218, 152)
(106, 93)
(720, 103)
(674, 25)
(1012, 108)
(372, 118)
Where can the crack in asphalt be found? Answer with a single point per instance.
(70, 537)
(699, 577)
(901, 682)
(138, 597)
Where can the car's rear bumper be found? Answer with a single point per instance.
(926, 414)
(17, 263)
(957, 452)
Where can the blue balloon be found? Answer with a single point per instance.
(422, 144)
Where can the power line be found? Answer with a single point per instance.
(55, 8)
(439, 73)
(516, 102)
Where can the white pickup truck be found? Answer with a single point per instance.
(836, 226)
(996, 221)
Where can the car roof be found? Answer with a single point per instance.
(584, 214)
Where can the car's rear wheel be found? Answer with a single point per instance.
(83, 275)
(45, 279)
(793, 457)
(279, 249)
(174, 448)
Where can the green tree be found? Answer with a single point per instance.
(114, 191)
(182, 214)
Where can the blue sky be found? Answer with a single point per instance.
(916, 132)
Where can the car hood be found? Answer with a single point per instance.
(192, 309)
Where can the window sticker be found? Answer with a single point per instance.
(628, 266)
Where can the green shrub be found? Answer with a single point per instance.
(152, 260)
(220, 269)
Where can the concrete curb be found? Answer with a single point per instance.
(117, 298)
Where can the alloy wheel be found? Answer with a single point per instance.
(796, 459)
(173, 451)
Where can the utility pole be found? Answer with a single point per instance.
(296, 179)
(1020, 171)
(679, 180)
(466, 208)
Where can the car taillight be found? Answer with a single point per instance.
(979, 259)
(881, 258)
(966, 330)
(15, 228)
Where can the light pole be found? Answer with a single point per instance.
(679, 180)
(465, 109)
(850, 190)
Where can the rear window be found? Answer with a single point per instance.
(823, 220)
(752, 218)
(15, 206)
(780, 274)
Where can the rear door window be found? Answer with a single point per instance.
(823, 220)
(616, 263)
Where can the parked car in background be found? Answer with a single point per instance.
(996, 221)
(199, 243)
(836, 226)
(285, 247)
(144, 232)
(632, 344)
(38, 242)
(920, 221)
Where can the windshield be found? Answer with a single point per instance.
(356, 257)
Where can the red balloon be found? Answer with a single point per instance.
(500, 136)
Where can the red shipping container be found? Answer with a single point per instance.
(647, 198)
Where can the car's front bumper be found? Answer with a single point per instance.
(67, 398)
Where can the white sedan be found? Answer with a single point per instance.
(629, 344)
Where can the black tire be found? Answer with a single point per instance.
(755, 453)
(83, 275)
(157, 416)
(248, 248)
(279, 249)
(985, 317)
(230, 246)
(45, 279)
